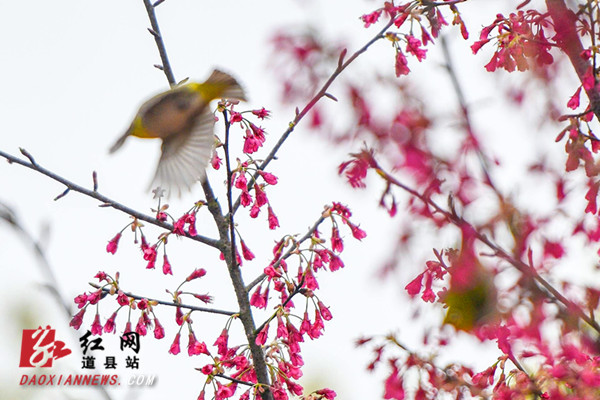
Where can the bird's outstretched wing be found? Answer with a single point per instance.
(185, 155)
(224, 86)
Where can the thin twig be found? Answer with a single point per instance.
(297, 289)
(107, 202)
(483, 158)
(224, 243)
(229, 190)
(160, 44)
(432, 4)
(320, 94)
(241, 382)
(536, 390)
(498, 251)
(8, 215)
(171, 303)
(288, 253)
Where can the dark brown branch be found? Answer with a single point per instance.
(241, 382)
(245, 314)
(107, 202)
(224, 244)
(233, 248)
(431, 4)
(160, 44)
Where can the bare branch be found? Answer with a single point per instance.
(235, 380)
(288, 253)
(106, 202)
(171, 303)
(297, 289)
(95, 180)
(225, 244)
(341, 66)
(160, 44)
(8, 215)
(546, 288)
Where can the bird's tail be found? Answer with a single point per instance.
(221, 85)
(119, 142)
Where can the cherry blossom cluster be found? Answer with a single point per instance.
(244, 175)
(565, 370)
(282, 343)
(318, 255)
(414, 376)
(528, 35)
(309, 54)
(254, 136)
(520, 37)
(413, 14)
(185, 225)
(241, 174)
(230, 368)
(110, 287)
(471, 300)
(283, 348)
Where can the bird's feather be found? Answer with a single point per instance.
(186, 155)
(119, 142)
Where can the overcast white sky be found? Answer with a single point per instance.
(72, 75)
